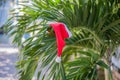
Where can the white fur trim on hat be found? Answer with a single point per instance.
(69, 33)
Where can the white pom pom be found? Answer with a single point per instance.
(58, 59)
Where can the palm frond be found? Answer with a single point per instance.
(95, 28)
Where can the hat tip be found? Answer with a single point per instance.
(58, 59)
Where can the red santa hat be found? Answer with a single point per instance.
(61, 32)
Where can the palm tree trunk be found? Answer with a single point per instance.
(106, 74)
(106, 71)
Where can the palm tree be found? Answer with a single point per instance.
(96, 33)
